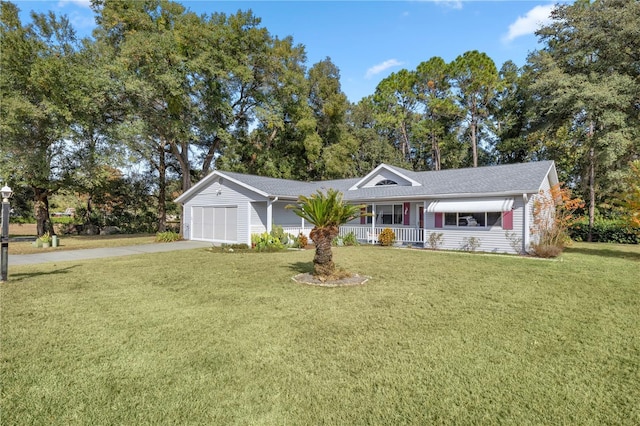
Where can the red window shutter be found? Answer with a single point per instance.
(407, 209)
(439, 220)
(363, 219)
(507, 220)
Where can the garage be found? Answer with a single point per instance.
(219, 223)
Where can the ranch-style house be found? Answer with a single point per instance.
(488, 207)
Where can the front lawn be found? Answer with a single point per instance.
(195, 337)
(78, 242)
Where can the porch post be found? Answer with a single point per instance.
(270, 214)
(249, 209)
(373, 219)
(424, 223)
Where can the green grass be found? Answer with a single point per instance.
(228, 338)
(78, 242)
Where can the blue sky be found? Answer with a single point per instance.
(368, 40)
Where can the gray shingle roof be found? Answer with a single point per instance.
(503, 179)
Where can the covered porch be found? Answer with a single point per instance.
(369, 234)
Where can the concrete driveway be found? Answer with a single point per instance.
(97, 253)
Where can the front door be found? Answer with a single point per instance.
(421, 216)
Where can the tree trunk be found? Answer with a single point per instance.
(592, 192)
(474, 142)
(162, 189)
(208, 159)
(435, 147)
(41, 212)
(323, 260)
(182, 155)
(406, 151)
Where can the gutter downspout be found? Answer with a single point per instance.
(270, 213)
(526, 240)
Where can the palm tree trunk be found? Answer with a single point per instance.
(323, 260)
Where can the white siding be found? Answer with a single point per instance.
(219, 203)
(258, 217)
(492, 239)
(283, 216)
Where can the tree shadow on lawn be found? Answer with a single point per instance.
(605, 252)
(26, 276)
(302, 267)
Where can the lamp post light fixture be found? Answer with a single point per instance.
(4, 249)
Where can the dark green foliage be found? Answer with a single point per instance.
(605, 231)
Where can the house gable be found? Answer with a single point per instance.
(216, 179)
(384, 175)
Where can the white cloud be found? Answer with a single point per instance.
(529, 23)
(453, 4)
(377, 69)
(81, 3)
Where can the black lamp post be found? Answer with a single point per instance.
(4, 250)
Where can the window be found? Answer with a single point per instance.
(390, 214)
(486, 219)
(386, 182)
(387, 214)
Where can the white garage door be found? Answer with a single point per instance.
(215, 224)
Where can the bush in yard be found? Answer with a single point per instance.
(387, 237)
(350, 240)
(553, 214)
(278, 233)
(471, 244)
(435, 240)
(605, 231)
(167, 237)
(301, 241)
(266, 242)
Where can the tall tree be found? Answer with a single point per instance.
(440, 113)
(476, 80)
(396, 104)
(329, 105)
(373, 147)
(586, 80)
(36, 88)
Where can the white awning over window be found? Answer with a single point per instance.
(477, 205)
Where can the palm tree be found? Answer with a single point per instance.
(326, 212)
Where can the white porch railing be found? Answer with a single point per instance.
(296, 230)
(364, 233)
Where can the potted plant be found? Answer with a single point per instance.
(46, 240)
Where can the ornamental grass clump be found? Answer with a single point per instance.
(167, 237)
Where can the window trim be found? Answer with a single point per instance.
(459, 215)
